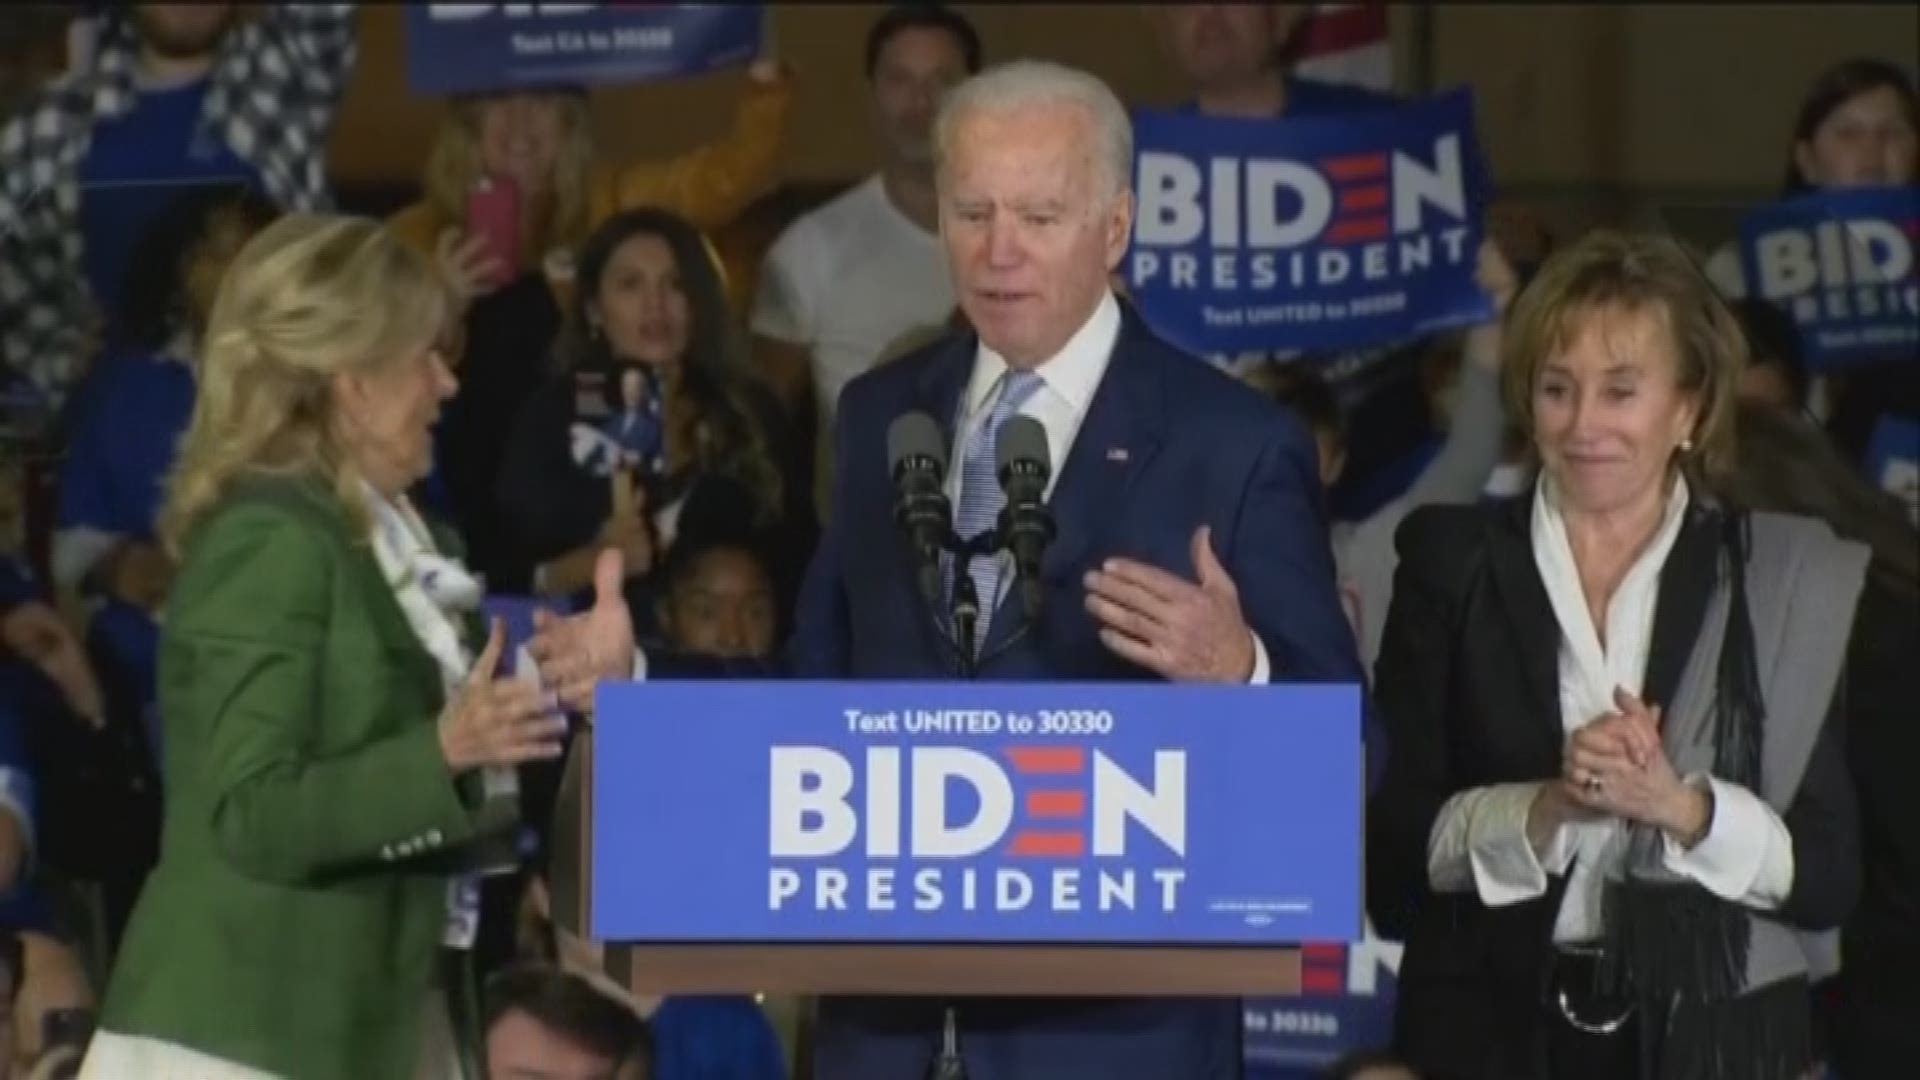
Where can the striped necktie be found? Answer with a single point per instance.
(980, 496)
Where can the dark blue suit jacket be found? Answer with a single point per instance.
(1168, 444)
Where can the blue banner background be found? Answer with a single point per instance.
(681, 822)
(479, 48)
(1352, 313)
(1835, 330)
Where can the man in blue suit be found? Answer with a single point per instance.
(1190, 546)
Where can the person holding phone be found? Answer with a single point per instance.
(340, 749)
(514, 186)
(514, 183)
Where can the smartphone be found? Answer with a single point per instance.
(493, 215)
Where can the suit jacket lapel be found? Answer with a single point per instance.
(1523, 599)
(1122, 430)
(1686, 584)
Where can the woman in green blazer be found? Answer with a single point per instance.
(338, 762)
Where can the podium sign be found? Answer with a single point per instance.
(1037, 813)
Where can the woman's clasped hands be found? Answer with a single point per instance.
(1617, 766)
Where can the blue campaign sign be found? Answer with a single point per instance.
(479, 48)
(1318, 233)
(1893, 461)
(516, 615)
(1345, 1005)
(976, 812)
(1842, 264)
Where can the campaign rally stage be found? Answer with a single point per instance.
(882, 812)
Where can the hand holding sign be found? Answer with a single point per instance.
(1185, 631)
(1495, 276)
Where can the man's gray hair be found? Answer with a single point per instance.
(1020, 84)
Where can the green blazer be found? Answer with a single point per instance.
(295, 918)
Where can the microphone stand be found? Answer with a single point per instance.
(947, 1063)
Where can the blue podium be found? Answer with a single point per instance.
(977, 838)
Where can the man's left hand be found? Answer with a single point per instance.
(577, 653)
(1186, 632)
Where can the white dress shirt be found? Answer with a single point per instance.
(1068, 380)
(1479, 840)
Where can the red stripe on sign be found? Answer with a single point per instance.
(1347, 27)
(1371, 197)
(1345, 232)
(1047, 760)
(1321, 981)
(1056, 804)
(1356, 167)
(1323, 953)
(1049, 845)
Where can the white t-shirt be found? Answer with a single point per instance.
(848, 280)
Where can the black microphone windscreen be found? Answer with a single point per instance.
(915, 434)
(1022, 439)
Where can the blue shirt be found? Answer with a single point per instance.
(715, 1038)
(23, 906)
(123, 444)
(138, 162)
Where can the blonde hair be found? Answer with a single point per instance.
(311, 296)
(1613, 271)
(455, 163)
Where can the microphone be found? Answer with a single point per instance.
(1024, 466)
(917, 458)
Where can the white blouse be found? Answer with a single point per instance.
(1479, 840)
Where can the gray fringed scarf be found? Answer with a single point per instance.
(1750, 704)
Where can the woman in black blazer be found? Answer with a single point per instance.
(1614, 797)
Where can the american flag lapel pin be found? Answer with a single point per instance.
(1117, 453)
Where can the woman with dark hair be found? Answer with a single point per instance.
(1859, 126)
(586, 469)
(1856, 128)
(1786, 465)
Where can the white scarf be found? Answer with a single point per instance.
(433, 591)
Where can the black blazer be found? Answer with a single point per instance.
(1468, 687)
